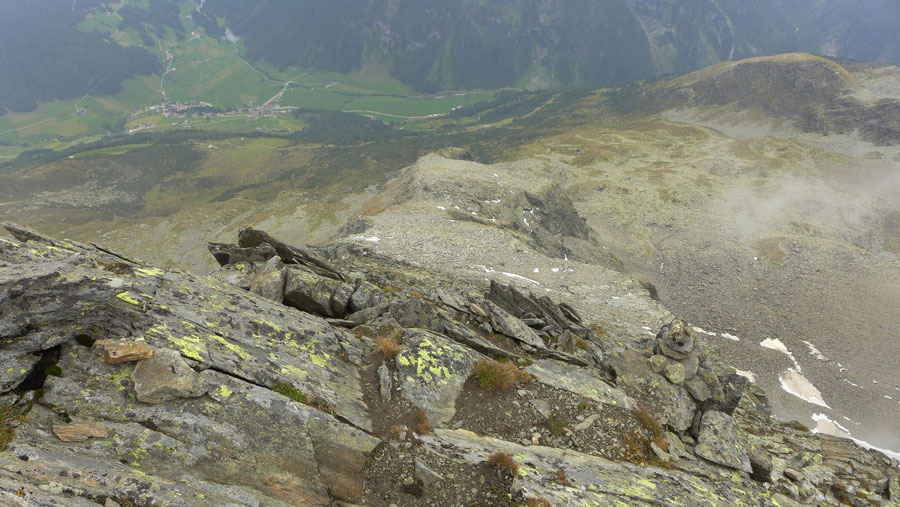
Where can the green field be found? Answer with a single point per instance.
(207, 69)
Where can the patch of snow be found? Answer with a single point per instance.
(555, 270)
(536, 270)
(370, 239)
(813, 351)
(731, 337)
(510, 275)
(823, 422)
(645, 328)
(776, 345)
(793, 382)
(852, 384)
(749, 375)
(441, 208)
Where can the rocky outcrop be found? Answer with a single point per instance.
(136, 385)
(815, 93)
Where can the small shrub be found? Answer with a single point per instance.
(287, 390)
(582, 344)
(53, 370)
(497, 376)
(503, 462)
(389, 345)
(556, 423)
(415, 489)
(537, 502)
(423, 423)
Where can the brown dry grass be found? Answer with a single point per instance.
(497, 376)
(503, 462)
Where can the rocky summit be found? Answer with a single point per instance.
(341, 376)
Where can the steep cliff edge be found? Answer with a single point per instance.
(339, 376)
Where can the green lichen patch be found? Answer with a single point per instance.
(124, 296)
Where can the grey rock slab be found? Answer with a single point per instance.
(242, 434)
(165, 376)
(385, 384)
(720, 442)
(73, 289)
(581, 381)
(595, 481)
(432, 371)
(506, 324)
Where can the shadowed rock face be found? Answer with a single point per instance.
(224, 396)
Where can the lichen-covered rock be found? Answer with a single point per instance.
(365, 296)
(258, 403)
(719, 441)
(670, 404)
(581, 381)
(164, 377)
(307, 291)
(269, 282)
(432, 371)
(597, 481)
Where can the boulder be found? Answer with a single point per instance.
(365, 296)
(164, 377)
(307, 291)
(227, 254)
(432, 371)
(269, 283)
(719, 442)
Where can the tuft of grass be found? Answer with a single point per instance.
(289, 391)
(537, 502)
(497, 376)
(561, 478)
(389, 345)
(503, 462)
(10, 417)
(423, 423)
(657, 432)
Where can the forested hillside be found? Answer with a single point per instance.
(440, 44)
(43, 56)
